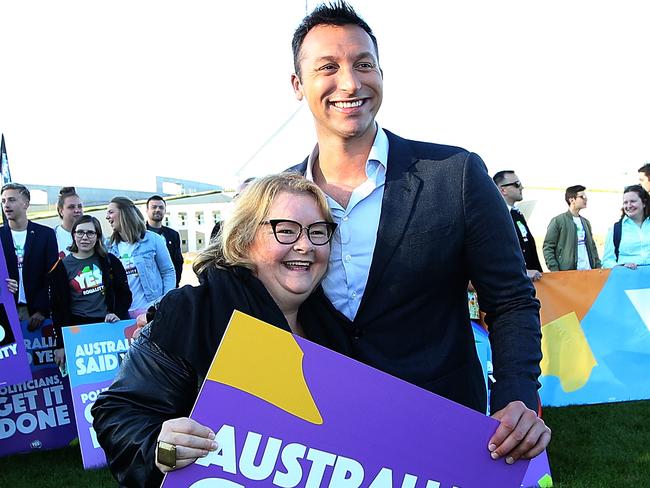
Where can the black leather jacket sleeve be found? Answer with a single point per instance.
(151, 387)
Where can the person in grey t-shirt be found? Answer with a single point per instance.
(87, 286)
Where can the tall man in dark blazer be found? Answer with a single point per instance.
(512, 192)
(30, 251)
(416, 222)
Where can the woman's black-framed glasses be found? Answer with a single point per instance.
(289, 231)
(90, 234)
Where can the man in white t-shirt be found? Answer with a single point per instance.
(569, 243)
(30, 251)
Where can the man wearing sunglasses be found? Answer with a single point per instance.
(512, 192)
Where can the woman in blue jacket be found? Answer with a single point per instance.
(143, 254)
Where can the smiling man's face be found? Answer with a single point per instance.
(341, 80)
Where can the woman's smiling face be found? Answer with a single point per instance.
(290, 272)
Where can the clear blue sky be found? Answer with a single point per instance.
(111, 93)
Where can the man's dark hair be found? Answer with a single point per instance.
(335, 13)
(572, 192)
(22, 189)
(499, 177)
(156, 197)
(645, 169)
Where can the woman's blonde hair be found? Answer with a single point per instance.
(130, 221)
(232, 244)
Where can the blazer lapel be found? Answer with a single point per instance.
(400, 192)
(29, 238)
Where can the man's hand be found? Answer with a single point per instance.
(521, 435)
(35, 321)
(59, 357)
(12, 285)
(534, 275)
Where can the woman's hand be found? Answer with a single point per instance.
(630, 265)
(111, 317)
(12, 285)
(192, 441)
(59, 357)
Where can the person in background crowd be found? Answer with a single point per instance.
(271, 254)
(30, 251)
(70, 208)
(512, 192)
(156, 208)
(143, 253)
(88, 285)
(644, 177)
(240, 188)
(628, 241)
(569, 243)
(417, 222)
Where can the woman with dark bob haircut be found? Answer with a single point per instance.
(268, 258)
(88, 285)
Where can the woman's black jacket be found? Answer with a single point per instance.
(165, 367)
(117, 294)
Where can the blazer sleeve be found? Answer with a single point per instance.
(550, 245)
(497, 270)
(164, 263)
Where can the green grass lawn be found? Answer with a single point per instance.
(593, 446)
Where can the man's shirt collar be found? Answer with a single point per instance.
(378, 153)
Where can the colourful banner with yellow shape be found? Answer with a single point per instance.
(595, 336)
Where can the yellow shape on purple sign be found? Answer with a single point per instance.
(566, 352)
(266, 362)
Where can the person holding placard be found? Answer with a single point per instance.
(270, 255)
(87, 286)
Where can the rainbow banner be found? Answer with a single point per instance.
(595, 336)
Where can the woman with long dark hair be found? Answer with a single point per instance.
(87, 286)
(143, 253)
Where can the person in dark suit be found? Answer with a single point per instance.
(156, 208)
(30, 251)
(416, 221)
(512, 192)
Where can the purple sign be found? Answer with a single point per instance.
(14, 367)
(288, 413)
(37, 414)
(94, 353)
